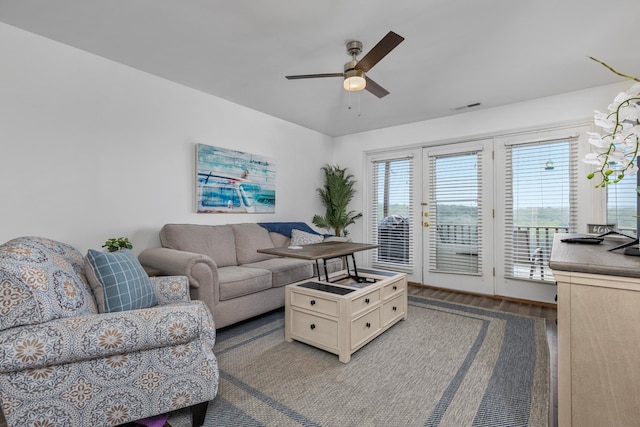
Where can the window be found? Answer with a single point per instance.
(621, 205)
(540, 201)
(392, 213)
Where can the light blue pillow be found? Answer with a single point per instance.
(118, 281)
(299, 237)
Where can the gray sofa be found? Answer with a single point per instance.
(225, 270)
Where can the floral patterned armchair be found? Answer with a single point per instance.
(64, 364)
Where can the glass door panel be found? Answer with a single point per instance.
(457, 217)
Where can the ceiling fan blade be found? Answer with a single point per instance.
(379, 51)
(375, 88)
(313, 76)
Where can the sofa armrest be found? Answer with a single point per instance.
(96, 336)
(173, 262)
(171, 289)
(200, 270)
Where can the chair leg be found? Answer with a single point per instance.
(198, 413)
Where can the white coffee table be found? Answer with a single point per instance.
(342, 318)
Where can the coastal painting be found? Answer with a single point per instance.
(229, 181)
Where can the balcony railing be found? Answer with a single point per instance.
(528, 250)
(531, 252)
(460, 234)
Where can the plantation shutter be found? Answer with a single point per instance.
(392, 213)
(541, 200)
(455, 212)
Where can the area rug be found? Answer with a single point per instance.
(446, 365)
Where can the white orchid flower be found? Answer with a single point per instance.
(592, 159)
(596, 140)
(615, 151)
(628, 113)
(617, 156)
(602, 120)
(634, 90)
(619, 99)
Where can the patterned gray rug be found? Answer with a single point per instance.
(446, 365)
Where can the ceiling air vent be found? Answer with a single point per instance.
(464, 107)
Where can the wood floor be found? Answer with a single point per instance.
(524, 308)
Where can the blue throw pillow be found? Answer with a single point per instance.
(118, 281)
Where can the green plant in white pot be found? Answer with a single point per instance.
(336, 194)
(114, 244)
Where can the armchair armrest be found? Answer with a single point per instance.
(171, 289)
(95, 336)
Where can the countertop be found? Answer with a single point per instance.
(594, 259)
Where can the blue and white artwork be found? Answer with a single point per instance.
(229, 181)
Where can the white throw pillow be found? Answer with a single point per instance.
(299, 237)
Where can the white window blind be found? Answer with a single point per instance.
(541, 200)
(455, 213)
(621, 205)
(392, 213)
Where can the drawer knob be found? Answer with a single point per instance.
(313, 326)
(366, 300)
(313, 302)
(395, 308)
(368, 325)
(395, 288)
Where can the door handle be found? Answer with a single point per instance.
(425, 224)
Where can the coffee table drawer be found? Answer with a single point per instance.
(392, 288)
(392, 309)
(314, 328)
(365, 301)
(364, 327)
(314, 303)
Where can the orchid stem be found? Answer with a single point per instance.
(614, 71)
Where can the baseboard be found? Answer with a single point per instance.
(495, 297)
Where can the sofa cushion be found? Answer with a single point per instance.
(285, 270)
(118, 281)
(279, 240)
(299, 237)
(250, 238)
(214, 241)
(41, 280)
(239, 281)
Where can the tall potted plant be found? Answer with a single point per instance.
(335, 196)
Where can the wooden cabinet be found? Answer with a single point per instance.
(343, 322)
(598, 336)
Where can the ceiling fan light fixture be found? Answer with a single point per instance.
(354, 80)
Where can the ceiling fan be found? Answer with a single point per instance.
(354, 74)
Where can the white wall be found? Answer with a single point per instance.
(92, 149)
(541, 113)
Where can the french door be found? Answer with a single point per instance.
(487, 214)
(457, 217)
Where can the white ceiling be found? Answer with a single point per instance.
(456, 52)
